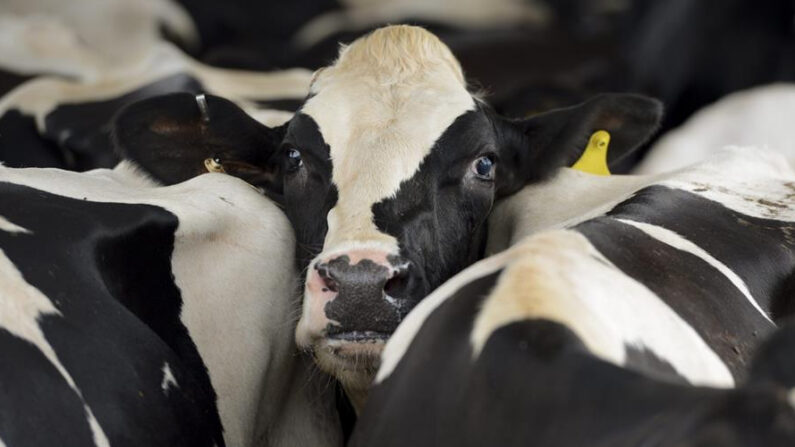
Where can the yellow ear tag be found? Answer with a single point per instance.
(594, 158)
(214, 165)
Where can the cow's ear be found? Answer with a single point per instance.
(178, 136)
(536, 147)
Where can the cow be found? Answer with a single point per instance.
(757, 116)
(251, 34)
(51, 37)
(133, 314)
(49, 122)
(621, 308)
(387, 173)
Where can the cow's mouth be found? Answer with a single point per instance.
(354, 352)
(358, 336)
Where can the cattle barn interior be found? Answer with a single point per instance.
(373, 223)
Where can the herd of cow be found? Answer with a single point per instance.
(374, 254)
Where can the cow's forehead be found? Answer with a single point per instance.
(380, 108)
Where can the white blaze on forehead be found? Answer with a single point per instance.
(380, 108)
(21, 306)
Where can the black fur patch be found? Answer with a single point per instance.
(83, 129)
(21, 145)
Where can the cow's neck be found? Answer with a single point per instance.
(566, 199)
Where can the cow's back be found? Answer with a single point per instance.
(712, 243)
(139, 303)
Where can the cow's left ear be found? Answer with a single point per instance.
(536, 147)
(178, 136)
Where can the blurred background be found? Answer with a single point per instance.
(526, 56)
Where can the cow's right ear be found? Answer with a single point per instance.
(178, 136)
(534, 148)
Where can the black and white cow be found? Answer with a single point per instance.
(713, 242)
(49, 122)
(133, 314)
(86, 40)
(387, 173)
(593, 331)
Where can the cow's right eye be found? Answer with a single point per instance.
(294, 160)
(483, 167)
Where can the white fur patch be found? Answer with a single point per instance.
(748, 180)
(86, 39)
(751, 181)
(681, 243)
(20, 309)
(168, 379)
(560, 276)
(760, 116)
(569, 198)
(10, 227)
(791, 396)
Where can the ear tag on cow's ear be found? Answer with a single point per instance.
(204, 109)
(594, 158)
(213, 164)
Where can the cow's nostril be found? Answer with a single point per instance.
(396, 285)
(326, 276)
(331, 285)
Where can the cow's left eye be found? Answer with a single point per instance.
(294, 160)
(483, 167)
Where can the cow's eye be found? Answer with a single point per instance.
(483, 167)
(294, 160)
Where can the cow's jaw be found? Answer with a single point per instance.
(352, 357)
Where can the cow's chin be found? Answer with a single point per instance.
(353, 358)
(350, 357)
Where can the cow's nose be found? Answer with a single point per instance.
(366, 276)
(359, 293)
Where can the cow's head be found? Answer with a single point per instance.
(388, 173)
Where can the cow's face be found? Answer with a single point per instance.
(388, 178)
(388, 173)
